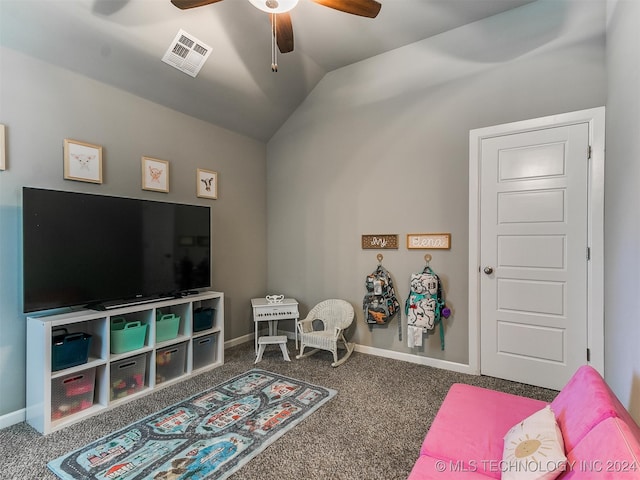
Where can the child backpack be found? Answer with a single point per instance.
(425, 303)
(380, 303)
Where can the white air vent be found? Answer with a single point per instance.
(187, 53)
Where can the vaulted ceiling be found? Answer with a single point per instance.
(121, 43)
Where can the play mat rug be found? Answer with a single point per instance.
(209, 435)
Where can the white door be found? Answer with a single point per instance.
(533, 254)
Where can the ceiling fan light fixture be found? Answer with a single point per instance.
(274, 6)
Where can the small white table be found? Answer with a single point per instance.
(263, 311)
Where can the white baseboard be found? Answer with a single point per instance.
(405, 357)
(420, 360)
(13, 417)
(238, 340)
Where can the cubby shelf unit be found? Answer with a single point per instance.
(197, 350)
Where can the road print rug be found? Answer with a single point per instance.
(208, 436)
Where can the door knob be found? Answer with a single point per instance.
(488, 270)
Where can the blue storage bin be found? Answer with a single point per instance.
(69, 349)
(203, 318)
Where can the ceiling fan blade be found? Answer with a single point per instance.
(284, 31)
(185, 4)
(363, 8)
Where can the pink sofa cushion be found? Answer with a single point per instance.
(584, 402)
(471, 424)
(428, 468)
(610, 451)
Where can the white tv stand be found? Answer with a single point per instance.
(42, 381)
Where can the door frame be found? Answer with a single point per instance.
(595, 118)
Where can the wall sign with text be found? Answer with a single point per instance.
(429, 240)
(379, 241)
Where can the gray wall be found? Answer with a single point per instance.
(622, 195)
(382, 147)
(41, 105)
(361, 155)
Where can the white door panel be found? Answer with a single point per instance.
(533, 237)
(524, 296)
(532, 162)
(531, 206)
(530, 342)
(521, 251)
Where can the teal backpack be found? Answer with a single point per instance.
(425, 304)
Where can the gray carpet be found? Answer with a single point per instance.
(372, 429)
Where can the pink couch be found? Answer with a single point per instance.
(465, 441)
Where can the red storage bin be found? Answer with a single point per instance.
(72, 393)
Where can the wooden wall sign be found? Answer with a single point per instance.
(379, 241)
(429, 240)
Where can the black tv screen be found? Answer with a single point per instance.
(93, 250)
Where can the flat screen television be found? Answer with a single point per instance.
(100, 251)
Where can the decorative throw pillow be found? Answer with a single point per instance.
(534, 449)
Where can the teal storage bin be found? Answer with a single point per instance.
(127, 336)
(69, 349)
(203, 319)
(167, 327)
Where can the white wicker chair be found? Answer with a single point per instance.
(335, 316)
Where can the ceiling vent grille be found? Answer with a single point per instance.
(187, 53)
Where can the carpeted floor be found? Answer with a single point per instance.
(371, 430)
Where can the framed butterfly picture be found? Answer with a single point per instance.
(155, 174)
(207, 184)
(82, 161)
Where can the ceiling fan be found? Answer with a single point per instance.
(281, 27)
